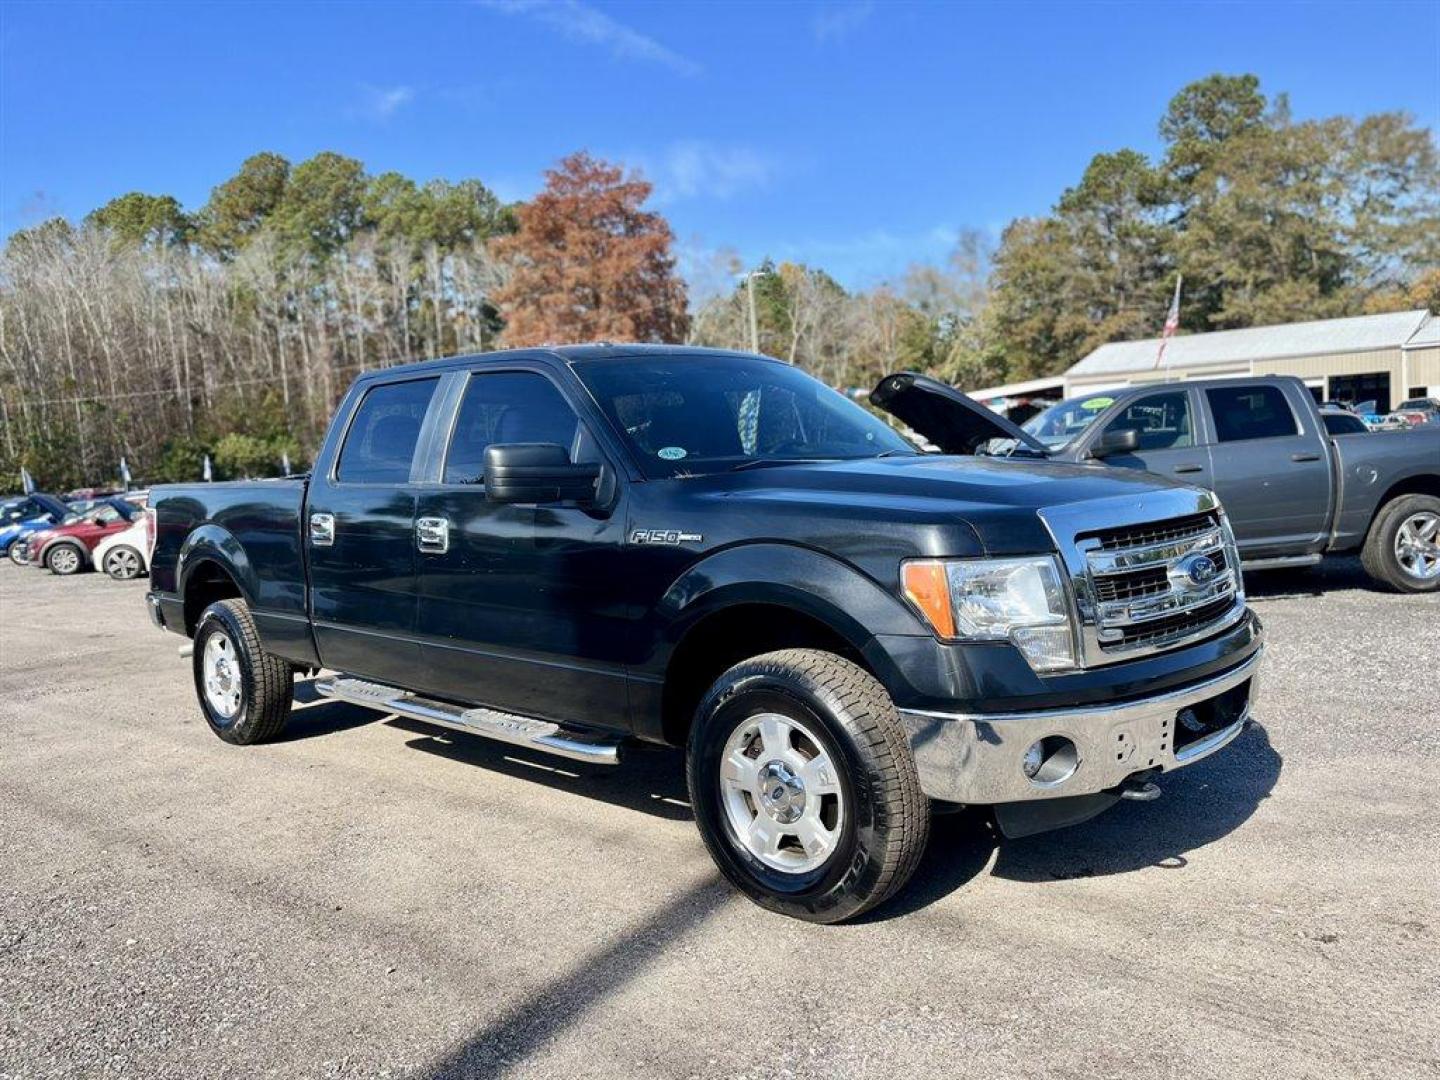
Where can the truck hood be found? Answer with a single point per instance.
(957, 424)
(998, 498)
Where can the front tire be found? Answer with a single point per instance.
(123, 563)
(64, 560)
(244, 691)
(17, 553)
(804, 787)
(1403, 547)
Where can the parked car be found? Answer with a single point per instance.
(567, 548)
(66, 549)
(24, 515)
(1417, 411)
(1343, 422)
(1293, 493)
(124, 555)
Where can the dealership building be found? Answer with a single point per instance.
(1381, 358)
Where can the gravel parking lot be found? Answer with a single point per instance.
(371, 898)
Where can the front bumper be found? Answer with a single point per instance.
(976, 758)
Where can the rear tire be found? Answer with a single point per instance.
(123, 563)
(1401, 548)
(64, 559)
(17, 553)
(804, 787)
(244, 691)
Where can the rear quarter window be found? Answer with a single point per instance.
(380, 444)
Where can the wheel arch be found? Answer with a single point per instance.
(1420, 483)
(756, 599)
(212, 566)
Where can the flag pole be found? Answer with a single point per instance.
(1172, 322)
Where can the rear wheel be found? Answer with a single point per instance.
(17, 553)
(804, 787)
(123, 563)
(64, 560)
(244, 691)
(1403, 547)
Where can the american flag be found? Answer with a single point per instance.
(1172, 322)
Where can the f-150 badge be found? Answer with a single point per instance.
(664, 536)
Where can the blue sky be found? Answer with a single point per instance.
(857, 136)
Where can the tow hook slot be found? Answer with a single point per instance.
(1140, 788)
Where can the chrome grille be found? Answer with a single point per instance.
(1151, 587)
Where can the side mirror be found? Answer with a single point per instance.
(1116, 442)
(537, 473)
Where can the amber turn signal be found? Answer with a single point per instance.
(927, 587)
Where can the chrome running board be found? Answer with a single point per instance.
(599, 748)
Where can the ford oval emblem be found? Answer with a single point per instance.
(1200, 569)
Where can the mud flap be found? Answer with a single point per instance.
(1019, 819)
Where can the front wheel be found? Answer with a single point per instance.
(1403, 548)
(123, 563)
(804, 787)
(64, 560)
(244, 691)
(17, 553)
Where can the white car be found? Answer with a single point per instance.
(123, 556)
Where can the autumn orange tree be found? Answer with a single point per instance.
(589, 264)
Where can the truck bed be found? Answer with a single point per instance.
(257, 521)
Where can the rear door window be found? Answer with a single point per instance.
(506, 407)
(380, 444)
(1251, 412)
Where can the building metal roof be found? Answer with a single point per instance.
(1428, 336)
(1241, 347)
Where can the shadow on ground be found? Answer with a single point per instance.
(522, 1029)
(1328, 575)
(1200, 805)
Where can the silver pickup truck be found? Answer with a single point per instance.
(1293, 492)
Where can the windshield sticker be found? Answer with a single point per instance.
(671, 453)
(1095, 404)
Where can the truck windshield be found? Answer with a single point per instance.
(687, 415)
(1063, 421)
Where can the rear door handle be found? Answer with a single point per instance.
(1189, 468)
(322, 530)
(432, 535)
(1307, 456)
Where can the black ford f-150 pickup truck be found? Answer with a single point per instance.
(573, 547)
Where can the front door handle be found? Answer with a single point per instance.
(1306, 456)
(1189, 468)
(432, 535)
(322, 530)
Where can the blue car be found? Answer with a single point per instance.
(26, 514)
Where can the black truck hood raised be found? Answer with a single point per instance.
(952, 421)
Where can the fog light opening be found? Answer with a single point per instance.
(1050, 761)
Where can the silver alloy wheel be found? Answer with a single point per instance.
(221, 672)
(64, 560)
(17, 553)
(781, 793)
(123, 563)
(1417, 545)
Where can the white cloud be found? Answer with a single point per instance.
(581, 22)
(380, 103)
(694, 168)
(835, 21)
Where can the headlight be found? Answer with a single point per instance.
(1020, 600)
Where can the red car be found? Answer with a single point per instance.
(66, 549)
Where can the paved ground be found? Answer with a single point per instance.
(380, 899)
